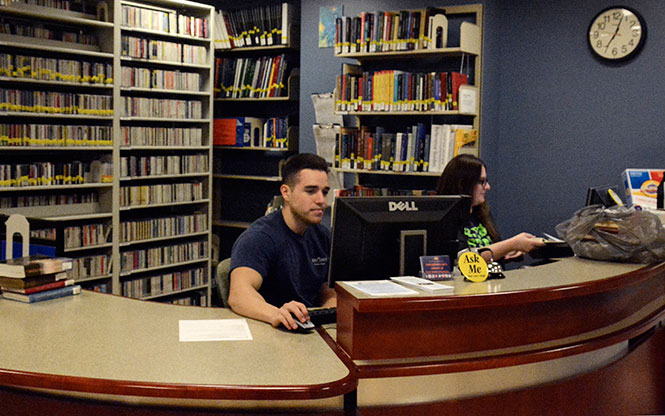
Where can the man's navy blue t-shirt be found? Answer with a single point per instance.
(293, 267)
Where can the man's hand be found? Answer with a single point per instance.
(286, 314)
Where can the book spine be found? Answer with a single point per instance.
(42, 296)
(49, 286)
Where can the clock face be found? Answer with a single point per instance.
(617, 33)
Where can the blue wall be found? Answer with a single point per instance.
(554, 120)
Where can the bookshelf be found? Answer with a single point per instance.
(382, 89)
(98, 137)
(163, 153)
(56, 123)
(247, 172)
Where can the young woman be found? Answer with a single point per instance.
(467, 175)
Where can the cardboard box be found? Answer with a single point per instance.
(641, 186)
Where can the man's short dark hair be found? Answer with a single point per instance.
(296, 163)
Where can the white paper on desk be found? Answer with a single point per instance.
(381, 288)
(214, 330)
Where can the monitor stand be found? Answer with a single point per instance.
(412, 245)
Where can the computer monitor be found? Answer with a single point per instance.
(375, 238)
(602, 195)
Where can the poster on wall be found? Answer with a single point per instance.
(327, 17)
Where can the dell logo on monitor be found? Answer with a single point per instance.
(402, 206)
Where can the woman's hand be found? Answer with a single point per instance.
(525, 242)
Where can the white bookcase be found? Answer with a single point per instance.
(143, 132)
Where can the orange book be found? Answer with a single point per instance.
(224, 132)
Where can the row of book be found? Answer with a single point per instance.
(52, 32)
(192, 299)
(145, 229)
(159, 78)
(251, 77)
(162, 108)
(54, 69)
(86, 235)
(43, 234)
(251, 132)
(36, 278)
(165, 283)
(161, 136)
(162, 256)
(164, 20)
(393, 90)
(55, 173)
(139, 166)
(364, 190)
(55, 135)
(44, 200)
(255, 26)
(161, 50)
(54, 4)
(91, 266)
(419, 149)
(132, 196)
(385, 31)
(52, 102)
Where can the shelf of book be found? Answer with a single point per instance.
(55, 15)
(90, 247)
(166, 204)
(252, 148)
(96, 42)
(157, 62)
(257, 85)
(166, 95)
(165, 238)
(248, 177)
(162, 91)
(384, 172)
(134, 272)
(175, 292)
(401, 70)
(23, 148)
(169, 176)
(232, 224)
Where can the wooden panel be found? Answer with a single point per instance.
(634, 384)
(452, 325)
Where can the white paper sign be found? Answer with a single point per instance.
(214, 330)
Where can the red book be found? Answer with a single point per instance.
(273, 78)
(48, 286)
(457, 80)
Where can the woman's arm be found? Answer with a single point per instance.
(523, 242)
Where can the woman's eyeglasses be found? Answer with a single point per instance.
(482, 182)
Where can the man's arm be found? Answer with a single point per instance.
(328, 297)
(245, 300)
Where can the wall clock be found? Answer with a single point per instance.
(617, 33)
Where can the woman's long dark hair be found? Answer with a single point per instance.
(459, 178)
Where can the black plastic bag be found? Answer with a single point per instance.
(615, 234)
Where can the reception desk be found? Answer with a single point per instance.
(570, 337)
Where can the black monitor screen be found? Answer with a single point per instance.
(378, 237)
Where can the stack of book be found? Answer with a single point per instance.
(37, 278)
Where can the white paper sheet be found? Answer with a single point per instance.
(214, 330)
(381, 288)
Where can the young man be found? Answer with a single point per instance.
(279, 265)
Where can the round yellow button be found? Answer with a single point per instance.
(473, 266)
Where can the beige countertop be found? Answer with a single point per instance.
(109, 337)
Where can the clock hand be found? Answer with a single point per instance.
(615, 33)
